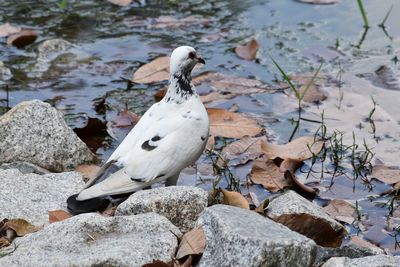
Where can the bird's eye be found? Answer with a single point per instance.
(192, 55)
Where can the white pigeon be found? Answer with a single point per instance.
(170, 136)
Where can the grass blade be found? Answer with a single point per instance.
(364, 15)
(310, 82)
(287, 79)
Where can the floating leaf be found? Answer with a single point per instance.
(155, 71)
(242, 151)
(164, 22)
(248, 51)
(385, 174)
(232, 125)
(58, 215)
(268, 175)
(120, 2)
(363, 243)
(299, 149)
(341, 210)
(298, 186)
(384, 77)
(234, 199)
(193, 243)
(8, 29)
(23, 38)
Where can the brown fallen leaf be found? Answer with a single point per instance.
(93, 133)
(126, 118)
(248, 51)
(109, 212)
(242, 151)
(120, 2)
(58, 215)
(8, 29)
(234, 199)
(299, 187)
(341, 210)
(159, 95)
(319, 2)
(262, 207)
(23, 38)
(210, 143)
(158, 263)
(299, 149)
(289, 165)
(21, 226)
(192, 243)
(87, 170)
(231, 125)
(268, 175)
(386, 174)
(155, 71)
(312, 227)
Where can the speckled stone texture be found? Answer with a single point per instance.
(290, 203)
(35, 132)
(370, 261)
(94, 240)
(240, 237)
(31, 196)
(182, 205)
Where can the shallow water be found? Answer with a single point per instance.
(294, 34)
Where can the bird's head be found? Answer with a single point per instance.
(183, 60)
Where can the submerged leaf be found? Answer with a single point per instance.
(299, 149)
(385, 174)
(341, 210)
(249, 50)
(232, 125)
(8, 29)
(243, 150)
(193, 243)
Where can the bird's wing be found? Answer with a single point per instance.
(162, 150)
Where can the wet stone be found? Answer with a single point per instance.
(370, 261)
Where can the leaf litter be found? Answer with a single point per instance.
(10, 229)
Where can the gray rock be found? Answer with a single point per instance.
(95, 240)
(24, 167)
(240, 237)
(182, 205)
(286, 207)
(35, 132)
(370, 261)
(32, 196)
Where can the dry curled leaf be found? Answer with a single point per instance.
(193, 243)
(386, 174)
(21, 226)
(234, 199)
(249, 50)
(242, 151)
(23, 38)
(299, 149)
(262, 207)
(120, 2)
(58, 215)
(298, 186)
(268, 175)
(8, 29)
(232, 125)
(341, 210)
(313, 227)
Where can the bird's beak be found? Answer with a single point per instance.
(200, 60)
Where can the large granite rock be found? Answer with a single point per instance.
(32, 196)
(305, 217)
(95, 240)
(35, 132)
(240, 237)
(182, 205)
(370, 261)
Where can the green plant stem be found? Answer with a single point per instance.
(364, 15)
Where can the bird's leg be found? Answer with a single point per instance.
(172, 180)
